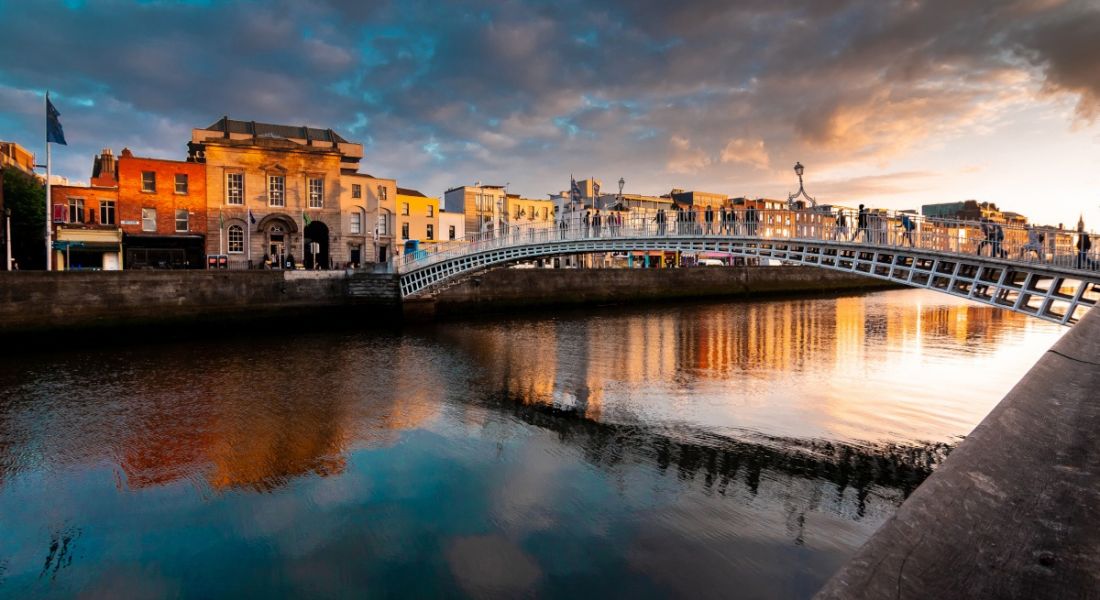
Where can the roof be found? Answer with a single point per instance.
(269, 130)
(409, 192)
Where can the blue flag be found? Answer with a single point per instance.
(54, 133)
(251, 219)
(574, 190)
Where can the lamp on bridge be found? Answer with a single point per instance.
(792, 198)
(622, 182)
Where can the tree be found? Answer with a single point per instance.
(25, 195)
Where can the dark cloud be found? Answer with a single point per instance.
(442, 93)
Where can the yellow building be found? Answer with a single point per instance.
(482, 205)
(524, 211)
(275, 190)
(417, 217)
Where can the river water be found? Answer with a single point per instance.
(733, 449)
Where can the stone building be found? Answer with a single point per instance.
(274, 190)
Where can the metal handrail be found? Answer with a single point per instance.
(880, 229)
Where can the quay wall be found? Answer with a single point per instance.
(40, 301)
(43, 301)
(1013, 511)
(522, 288)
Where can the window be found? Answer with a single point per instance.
(316, 192)
(431, 210)
(181, 183)
(107, 212)
(356, 222)
(405, 209)
(519, 212)
(356, 190)
(431, 232)
(182, 219)
(404, 231)
(451, 232)
(236, 239)
(148, 181)
(276, 190)
(383, 225)
(148, 219)
(234, 188)
(381, 192)
(531, 212)
(76, 210)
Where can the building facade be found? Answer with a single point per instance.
(369, 205)
(417, 217)
(274, 193)
(482, 205)
(85, 226)
(452, 226)
(162, 211)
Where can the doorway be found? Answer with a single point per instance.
(316, 256)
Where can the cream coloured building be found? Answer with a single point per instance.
(482, 205)
(275, 190)
(369, 207)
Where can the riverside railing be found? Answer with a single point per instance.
(879, 229)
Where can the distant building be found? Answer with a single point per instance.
(698, 199)
(16, 156)
(369, 206)
(971, 210)
(452, 226)
(521, 211)
(482, 205)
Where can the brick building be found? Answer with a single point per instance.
(85, 228)
(162, 212)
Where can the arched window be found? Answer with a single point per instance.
(236, 239)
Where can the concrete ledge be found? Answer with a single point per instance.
(1014, 512)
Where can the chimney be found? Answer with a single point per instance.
(105, 169)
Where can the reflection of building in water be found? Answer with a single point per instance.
(260, 430)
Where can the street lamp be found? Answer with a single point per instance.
(798, 170)
(622, 182)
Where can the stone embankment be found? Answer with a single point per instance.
(39, 301)
(1013, 512)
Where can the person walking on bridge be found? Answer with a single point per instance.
(723, 220)
(596, 224)
(708, 216)
(1034, 243)
(861, 224)
(561, 227)
(660, 220)
(1084, 244)
(907, 227)
(587, 223)
(840, 230)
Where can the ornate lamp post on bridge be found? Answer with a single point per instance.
(791, 198)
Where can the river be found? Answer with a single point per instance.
(712, 449)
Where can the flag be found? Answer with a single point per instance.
(251, 219)
(574, 190)
(306, 218)
(54, 133)
(595, 188)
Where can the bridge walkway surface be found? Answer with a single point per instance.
(1014, 511)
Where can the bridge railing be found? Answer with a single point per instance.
(876, 229)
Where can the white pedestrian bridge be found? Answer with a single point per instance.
(1037, 271)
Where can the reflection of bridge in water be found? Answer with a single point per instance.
(1012, 269)
(889, 470)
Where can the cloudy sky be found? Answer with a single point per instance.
(892, 102)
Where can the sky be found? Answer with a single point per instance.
(894, 103)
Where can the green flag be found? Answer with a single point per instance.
(306, 218)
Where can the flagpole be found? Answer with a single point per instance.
(248, 237)
(49, 216)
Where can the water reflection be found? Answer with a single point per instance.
(675, 448)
